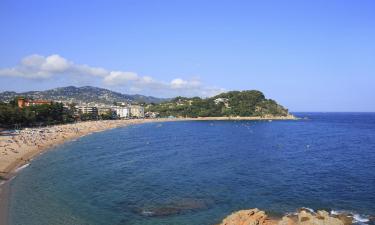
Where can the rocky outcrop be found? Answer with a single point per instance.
(320, 218)
(303, 217)
(247, 217)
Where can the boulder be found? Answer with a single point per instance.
(247, 217)
(304, 217)
(320, 218)
(286, 220)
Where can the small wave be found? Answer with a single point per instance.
(147, 213)
(291, 213)
(360, 218)
(22, 167)
(308, 209)
(357, 218)
(338, 212)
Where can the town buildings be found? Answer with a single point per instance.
(151, 115)
(121, 111)
(22, 102)
(87, 110)
(106, 110)
(137, 111)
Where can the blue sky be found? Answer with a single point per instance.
(308, 55)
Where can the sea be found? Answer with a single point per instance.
(198, 172)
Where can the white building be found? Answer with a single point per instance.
(121, 112)
(82, 109)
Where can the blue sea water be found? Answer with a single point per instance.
(196, 173)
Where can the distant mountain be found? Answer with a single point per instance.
(84, 94)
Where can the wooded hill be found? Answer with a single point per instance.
(233, 103)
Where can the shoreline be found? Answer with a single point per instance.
(17, 151)
(255, 118)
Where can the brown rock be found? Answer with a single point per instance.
(320, 218)
(304, 217)
(286, 221)
(347, 219)
(248, 217)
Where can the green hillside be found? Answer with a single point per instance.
(233, 103)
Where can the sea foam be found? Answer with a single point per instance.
(22, 167)
(357, 218)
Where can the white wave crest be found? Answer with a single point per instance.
(360, 218)
(357, 218)
(308, 209)
(22, 167)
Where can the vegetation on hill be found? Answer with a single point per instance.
(81, 94)
(233, 103)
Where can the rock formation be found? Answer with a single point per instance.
(320, 218)
(247, 217)
(303, 217)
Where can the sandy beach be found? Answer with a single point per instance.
(18, 148)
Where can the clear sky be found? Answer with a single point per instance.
(313, 55)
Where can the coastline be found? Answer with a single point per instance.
(17, 151)
(289, 117)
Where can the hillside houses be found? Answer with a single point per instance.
(120, 110)
(115, 111)
(137, 111)
(23, 102)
